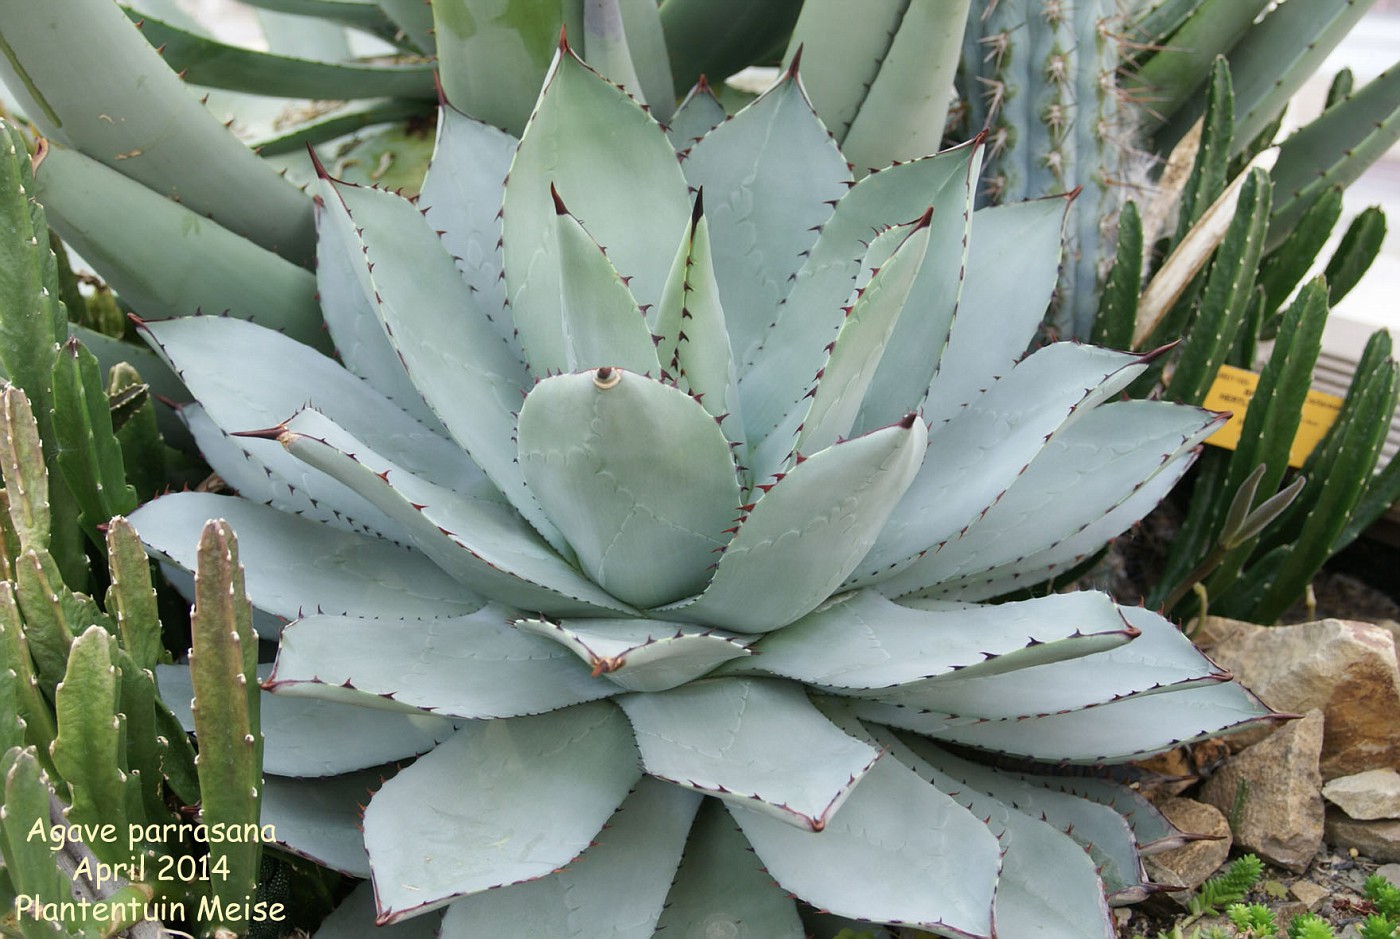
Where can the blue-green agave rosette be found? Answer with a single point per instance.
(652, 505)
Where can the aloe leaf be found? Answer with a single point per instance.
(639, 654)
(773, 174)
(29, 861)
(1226, 296)
(698, 113)
(1100, 830)
(1336, 148)
(29, 704)
(131, 598)
(142, 747)
(294, 564)
(891, 814)
(89, 454)
(616, 888)
(26, 480)
(183, 263)
(536, 792)
(1128, 729)
(987, 444)
(86, 751)
(1075, 909)
(1354, 255)
(753, 742)
(780, 371)
(213, 64)
(476, 666)
(637, 213)
(1119, 445)
(309, 737)
(864, 642)
(808, 531)
(483, 545)
(249, 378)
(1210, 172)
(1285, 267)
(461, 197)
(320, 819)
(693, 348)
(354, 919)
(123, 118)
(602, 323)
(604, 452)
(998, 315)
(1113, 323)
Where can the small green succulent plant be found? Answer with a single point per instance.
(652, 506)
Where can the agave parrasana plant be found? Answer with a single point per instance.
(662, 533)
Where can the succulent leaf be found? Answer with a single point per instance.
(320, 818)
(698, 113)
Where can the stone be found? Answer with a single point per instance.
(1280, 818)
(1372, 794)
(1347, 669)
(1309, 893)
(1189, 865)
(1390, 872)
(1378, 839)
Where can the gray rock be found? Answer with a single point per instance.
(1390, 872)
(1280, 818)
(1378, 839)
(1190, 865)
(1372, 794)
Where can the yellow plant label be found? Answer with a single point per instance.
(1233, 388)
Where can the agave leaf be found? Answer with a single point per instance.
(605, 48)
(1117, 445)
(863, 641)
(698, 113)
(183, 263)
(484, 545)
(295, 565)
(65, 82)
(780, 370)
(753, 742)
(898, 824)
(1127, 729)
(498, 803)
(604, 452)
(319, 819)
(281, 141)
(773, 174)
(616, 888)
(602, 323)
(249, 378)
(354, 919)
(637, 211)
(366, 15)
(985, 446)
(311, 737)
(414, 19)
(808, 531)
(722, 883)
(1074, 909)
(646, 43)
(461, 198)
(1097, 828)
(720, 37)
(474, 666)
(1176, 71)
(998, 315)
(206, 61)
(642, 655)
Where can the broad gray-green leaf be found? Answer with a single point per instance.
(699, 113)
(1129, 729)
(773, 173)
(977, 455)
(320, 818)
(248, 378)
(615, 890)
(938, 864)
(294, 565)
(1152, 830)
(808, 531)
(605, 47)
(1072, 908)
(755, 742)
(354, 919)
(461, 197)
(310, 737)
(602, 323)
(636, 475)
(482, 544)
(1085, 470)
(637, 210)
(722, 888)
(183, 263)
(647, 45)
(473, 666)
(642, 654)
(998, 315)
(793, 349)
(500, 802)
(863, 641)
